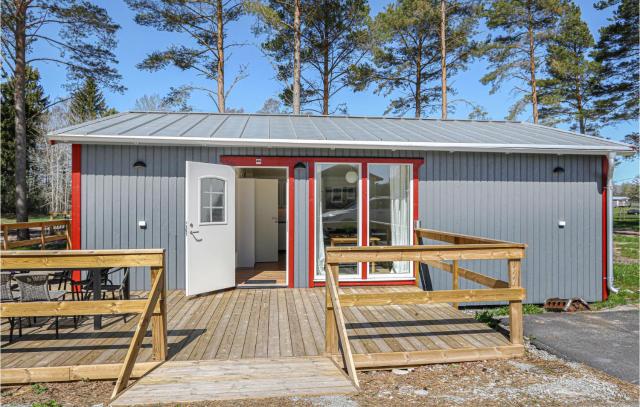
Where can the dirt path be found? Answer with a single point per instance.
(537, 379)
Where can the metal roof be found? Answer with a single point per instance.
(272, 130)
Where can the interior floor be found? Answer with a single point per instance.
(263, 274)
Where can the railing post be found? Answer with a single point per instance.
(42, 241)
(456, 279)
(416, 264)
(67, 234)
(515, 307)
(159, 320)
(331, 330)
(5, 237)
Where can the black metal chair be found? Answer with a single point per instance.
(108, 286)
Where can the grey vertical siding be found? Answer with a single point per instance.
(514, 197)
(518, 198)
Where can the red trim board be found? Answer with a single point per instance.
(311, 161)
(76, 202)
(290, 162)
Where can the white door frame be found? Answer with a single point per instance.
(286, 172)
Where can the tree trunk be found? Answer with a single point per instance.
(579, 108)
(220, 45)
(296, 57)
(532, 67)
(22, 214)
(417, 98)
(325, 79)
(443, 55)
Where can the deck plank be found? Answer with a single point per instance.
(286, 348)
(263, 338)
(297, 343)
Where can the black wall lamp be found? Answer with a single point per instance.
(558, 170)
(139, 164)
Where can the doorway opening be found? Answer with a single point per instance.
(261, 227)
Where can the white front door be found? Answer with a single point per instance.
(210, 227)
(266, 197)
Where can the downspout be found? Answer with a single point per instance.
(612, 162)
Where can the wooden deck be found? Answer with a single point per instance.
(258, 323)
(193, 381)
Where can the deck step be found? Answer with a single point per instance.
(209, 380)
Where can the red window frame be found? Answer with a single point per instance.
(364, 198)
(290, 162)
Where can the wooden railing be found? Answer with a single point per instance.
(47, 232)
(152, 310)
(458, 247)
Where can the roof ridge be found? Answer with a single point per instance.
(330, 116)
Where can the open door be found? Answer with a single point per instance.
(210, 227)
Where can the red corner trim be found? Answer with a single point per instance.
(76, 202)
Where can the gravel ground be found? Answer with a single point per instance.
(538, 379)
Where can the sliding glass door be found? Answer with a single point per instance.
(389, 215)
(337, 213)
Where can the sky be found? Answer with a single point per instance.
(134, 42)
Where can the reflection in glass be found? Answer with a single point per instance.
(337, 211)
(389, 212)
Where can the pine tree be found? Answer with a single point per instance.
(88, 103)
(617, 50)
(526, 27)
(78, 35)
(35, 105)
(408, 55)
(282, 19)
(567, 95)
(334, 37)
(458, 20)
(205, 23)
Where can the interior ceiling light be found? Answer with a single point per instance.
(351, 177)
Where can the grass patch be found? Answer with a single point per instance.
(38, 388)
(628, 245)
(623, 221)
(32, 218)
(626, 278)
(488, 316)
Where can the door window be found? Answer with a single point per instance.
(212, 200)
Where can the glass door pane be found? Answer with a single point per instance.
(389, 214)
(337, 212)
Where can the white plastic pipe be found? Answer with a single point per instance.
(612, 164)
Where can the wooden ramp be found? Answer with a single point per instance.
(209, 380)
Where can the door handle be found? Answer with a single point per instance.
(193, 233)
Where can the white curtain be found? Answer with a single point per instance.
(400, 212)
(319, 228)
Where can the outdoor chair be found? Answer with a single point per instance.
(36, 288)
(115, 289)
(61, 278)
(107, 285)
(6, 295)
